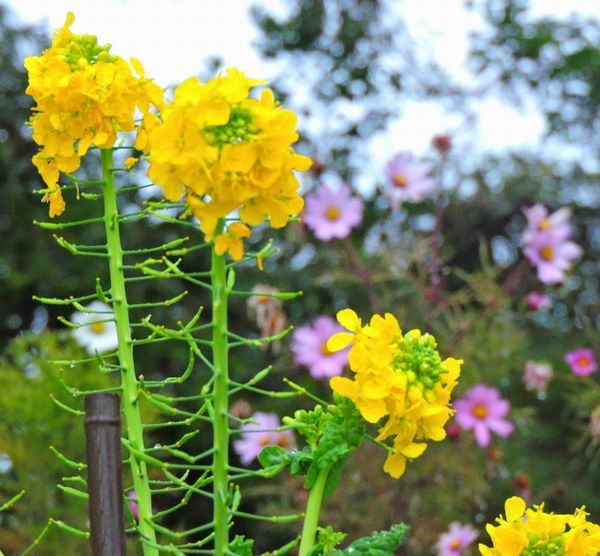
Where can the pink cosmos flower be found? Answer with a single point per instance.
(546, 243)
(408, 179)
(260, 434)
(537, 376)
(539, 221)
(333, 213)
(309, 348)
(456, 540)
(482, 410)
(536, 301)
(552, 258)
(582, 361)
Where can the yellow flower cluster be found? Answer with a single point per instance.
(84, 96)
(398, 376)
(226, 151)
(533, 532)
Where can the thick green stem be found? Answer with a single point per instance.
(221, 404)
(313, 508)
(129, 382)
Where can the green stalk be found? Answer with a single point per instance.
(221, 402)
(129, 381)
(313, 508)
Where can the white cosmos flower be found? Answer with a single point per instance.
(6, 463)
(96, 333)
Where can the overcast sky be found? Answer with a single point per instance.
(173, 37)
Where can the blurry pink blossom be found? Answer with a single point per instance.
(546, 243)
(409, 180)
(456, 540)
(482, 410)
(537, 376)
(552, 258)
(309, 348)
(582, 361)
(131, 502)
(452, 431)
(539, 221)
(260, 434)
(333, 213)
(536, 301)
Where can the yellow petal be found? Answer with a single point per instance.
(69, 20)
(344, 387)
(349, 320)
(221, 244)
(57, 204)
(339, 341)
(414, 450)
(130, 162)
(236, 249)
(514, 508)
(238, 230)
(137, 67)
(372, 410)
(395, 465)
(302, 163)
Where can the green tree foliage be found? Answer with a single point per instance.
(558, 61)
(353, 53)
(23, 261)
(35, 429)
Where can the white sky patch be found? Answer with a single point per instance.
(172, 38)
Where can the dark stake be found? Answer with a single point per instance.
(105, 482)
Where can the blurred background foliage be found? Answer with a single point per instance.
(348, 69)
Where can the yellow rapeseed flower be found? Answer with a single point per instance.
(232, 240)
(533, 532)
(130, 162)
(226, 151)
(397, 376)
(84, 96)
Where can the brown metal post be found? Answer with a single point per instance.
(105, 476)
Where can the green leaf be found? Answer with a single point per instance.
(327, 540)
(241, 546)
(301, 461)
(382, 543)
(274, 459)
(342, 433)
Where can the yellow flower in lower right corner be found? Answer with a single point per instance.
(533, 532)
(398, 376)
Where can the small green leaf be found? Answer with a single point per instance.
(327, 540)
(241, 546)
(301, 461)
(272, 456)
(382, 543)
